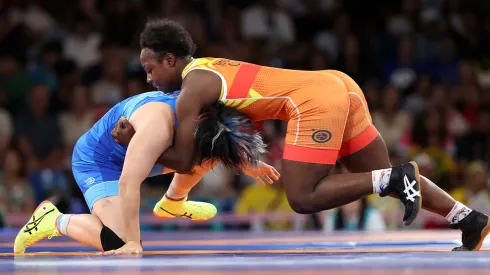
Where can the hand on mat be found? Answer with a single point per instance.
(262, 173)
(130, 248)
(123, 132)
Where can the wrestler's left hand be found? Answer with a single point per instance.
(123, 132)
(263, 173)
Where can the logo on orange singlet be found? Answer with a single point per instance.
(321, 136)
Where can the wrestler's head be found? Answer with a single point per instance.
(166, 47)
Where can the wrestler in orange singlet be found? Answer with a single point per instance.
(328, 121)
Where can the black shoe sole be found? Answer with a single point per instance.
(417, 177)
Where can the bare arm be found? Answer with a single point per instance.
(200, 89)
(143, 151)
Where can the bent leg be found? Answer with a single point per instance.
(182, 184)
(474, 225)
(108, 210)
(47, 222)
(311, 189)
(174, 203)
(105, 220)
(375, 156)
(309, 158)
(313, 142)
(85, 229)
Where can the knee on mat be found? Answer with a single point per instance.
(110, 240)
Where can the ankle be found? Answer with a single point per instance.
(458, 213)
(175, 196)
(381, 179)
(62, 223)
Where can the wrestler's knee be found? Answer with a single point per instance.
(302, 204)
(109, 239)
(300, 181)
(108, 210)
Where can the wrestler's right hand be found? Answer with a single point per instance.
(123, 132)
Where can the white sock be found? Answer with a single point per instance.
(62, 223)
(171, 194)
(459, 212)
(381, 178)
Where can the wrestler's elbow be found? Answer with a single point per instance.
(185, 166)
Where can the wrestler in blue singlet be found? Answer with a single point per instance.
(98, 160)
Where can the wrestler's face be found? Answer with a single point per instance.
(161, 70)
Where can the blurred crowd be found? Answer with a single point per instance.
(424, 66)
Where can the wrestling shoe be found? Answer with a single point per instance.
(41, 225)
(475, 228)
(405, 183)
(198, 211)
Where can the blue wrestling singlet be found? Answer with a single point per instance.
(98, 160)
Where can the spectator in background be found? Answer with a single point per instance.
(108, 89)
(43, 70)
(352, 61)
(475, 145)
(13, 38)
(467, 102)
(454, 121)
(14, 82)
(89, 10)
(69, 77)
(6, 129)
(465, 96)
(34, 17)
(41, 142)
(77, 120)
(186, 13)
(445, 65)
(134, 87)
(475, 193)
(16, 192)
(82, 44)
(122, 21)
(372, 94)
(418, 101)
(401, 70)
(390, 121)
(265, 21)
(485, 97)
(429, 135)
(39, 133)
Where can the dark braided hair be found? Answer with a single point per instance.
(225, 134)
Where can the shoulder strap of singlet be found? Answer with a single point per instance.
(207, 65)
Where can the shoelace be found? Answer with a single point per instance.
(35, 222)
(185, 215)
